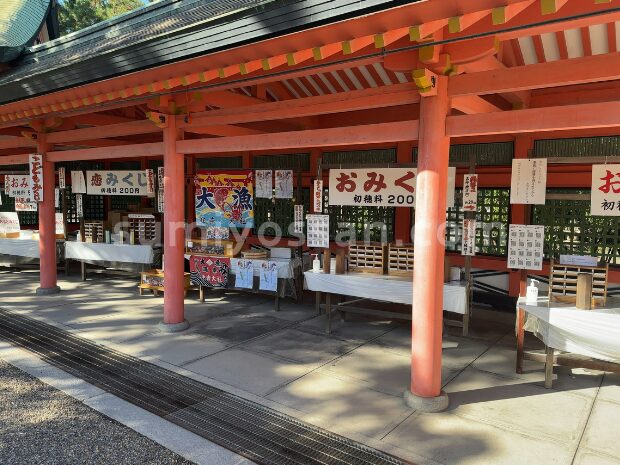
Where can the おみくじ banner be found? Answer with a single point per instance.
(225, 199)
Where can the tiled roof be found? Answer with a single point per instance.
(20, 21)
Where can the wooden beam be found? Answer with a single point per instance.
(472, 104)
(548, 7)
(100, 119)
(223, 130)
(503, 14)
(332, 137)
(562, 118)
(538, 76)
(13, 142)
(125, 151)
(111, 130)
(14, 159)
(386, 96)
(462, 22)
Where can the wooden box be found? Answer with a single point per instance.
(563, 283)
(154, 280)
(367, 258)
(400, 260)
(210, 247)
(93, 231)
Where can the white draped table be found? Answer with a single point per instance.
(23, 251)
(126, 257)
(383, 288)
(590, 337)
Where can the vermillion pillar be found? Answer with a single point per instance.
(47, 225)
(428, 277)
(174, 233)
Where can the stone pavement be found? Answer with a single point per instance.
(352, 381)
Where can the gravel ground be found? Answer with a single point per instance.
(41, 425)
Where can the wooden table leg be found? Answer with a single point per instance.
(277, 302)
(520, 338)
(317, 302)
(466, 324)
(201, 294)
(83, 269)
(549, 368)
(328, 312)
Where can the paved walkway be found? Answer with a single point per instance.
(352, 382)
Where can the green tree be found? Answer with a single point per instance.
(74, 15)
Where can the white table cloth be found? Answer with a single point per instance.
(395, 289)
(27, 248)
(593, 333)
(116, 253)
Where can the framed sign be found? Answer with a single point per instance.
(209, 271)
(117, 183)
(225, 199)
(380, 187)
(528, 181)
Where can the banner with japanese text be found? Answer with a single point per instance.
(17, 185)
(605, 197)
(36, 177)
(209, 271)
(225, 199)
(117, 183)
(470, 192)
(379, 187)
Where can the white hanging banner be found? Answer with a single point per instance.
(160, 200)
(78, 183)
(318, 231)
(56, 197)
(264, 184)
(60, 224)
(380, 187)
(268, 276)
(160, 178)
(284, 184)
(525, 247)
(317, 196)
(9, 223)
(528, 182)
(79, 205)
(298, 227)
(116, 182)
(62, 178)
(17, 185)
(150, 183)
(36, 177)
(470, 192)
(605, 196)
(469, 237)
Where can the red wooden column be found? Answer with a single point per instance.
(47, 225)
(174, 232)
(430, 211)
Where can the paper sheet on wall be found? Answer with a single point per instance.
(528, 181)
(244, 277)
(268, 276)
(298, 227)
(264, 184)
(284, 184)
(317, 228)
(525, 247)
